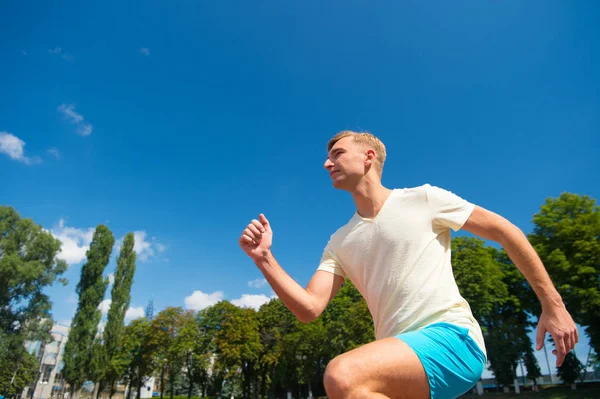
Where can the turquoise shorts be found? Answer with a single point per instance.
(452, 360)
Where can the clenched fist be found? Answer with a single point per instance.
(257, 238)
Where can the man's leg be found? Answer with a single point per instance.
(387, 368)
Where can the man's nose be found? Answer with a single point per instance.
(328, 164)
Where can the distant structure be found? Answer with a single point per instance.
(150, 309)
(49, 381)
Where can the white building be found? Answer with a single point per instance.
(50, 382)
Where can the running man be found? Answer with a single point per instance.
(396, 251)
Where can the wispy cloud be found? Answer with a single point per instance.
(75, 118)
(258, 283)
(145, 51)
(14, 147)
(23, 52)
(58, 52)
(55, 153)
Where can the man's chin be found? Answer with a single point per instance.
(339, 185)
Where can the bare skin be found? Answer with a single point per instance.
(388, 368)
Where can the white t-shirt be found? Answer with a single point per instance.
(400, 261)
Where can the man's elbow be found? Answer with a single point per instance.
(505, 232)
(308, 315)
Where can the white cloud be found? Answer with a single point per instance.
(75, 242)
(14, 147)
(258, 283)
(57, 51)
(104, 306)
(75, 118)
(134, 313)
(55, 153)
(160, 247)
(111, 278)
(142, 248)
(199, 300)
(251, 301)
(145, 51)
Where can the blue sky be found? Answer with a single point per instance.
(183, 121)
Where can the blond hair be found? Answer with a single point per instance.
(366, 140)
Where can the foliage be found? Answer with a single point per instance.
(28, 265)
(17, 367)
(567, 238)
(120, 300)
(571, 369)
(80, 362)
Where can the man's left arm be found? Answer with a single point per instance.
(555, 319)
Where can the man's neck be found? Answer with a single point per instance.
(369, 197)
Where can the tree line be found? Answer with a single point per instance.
(263, 353)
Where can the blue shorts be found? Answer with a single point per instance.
(452, 360)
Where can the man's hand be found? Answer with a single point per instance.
(257, 238)
(558, 322)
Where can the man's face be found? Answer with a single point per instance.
(346, 163)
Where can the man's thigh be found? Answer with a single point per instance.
(387, 366)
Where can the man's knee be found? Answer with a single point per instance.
(338, 377)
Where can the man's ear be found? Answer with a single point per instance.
(370, 157)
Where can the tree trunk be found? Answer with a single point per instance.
(99, 388)
(128, 387)
(139, 387)
(162, 381)
(190, 387)
(112, 388)
(189, 375)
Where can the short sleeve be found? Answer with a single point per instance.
(448, 209)
(329, 262)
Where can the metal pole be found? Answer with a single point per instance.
(548, 363)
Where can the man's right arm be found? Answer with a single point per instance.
(306, 304)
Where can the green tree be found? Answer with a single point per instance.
(570, 370)
(567, 238)
(348, 321)
(191, 347)
(532, 366)
(478, 276)
(236, 342)
(120, 300)
(275, 322)
(79, 350)
(499, 297)
(164, 329)
(17, 367)
(28, 265)
(136, 353)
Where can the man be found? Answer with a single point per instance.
(396, 251)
